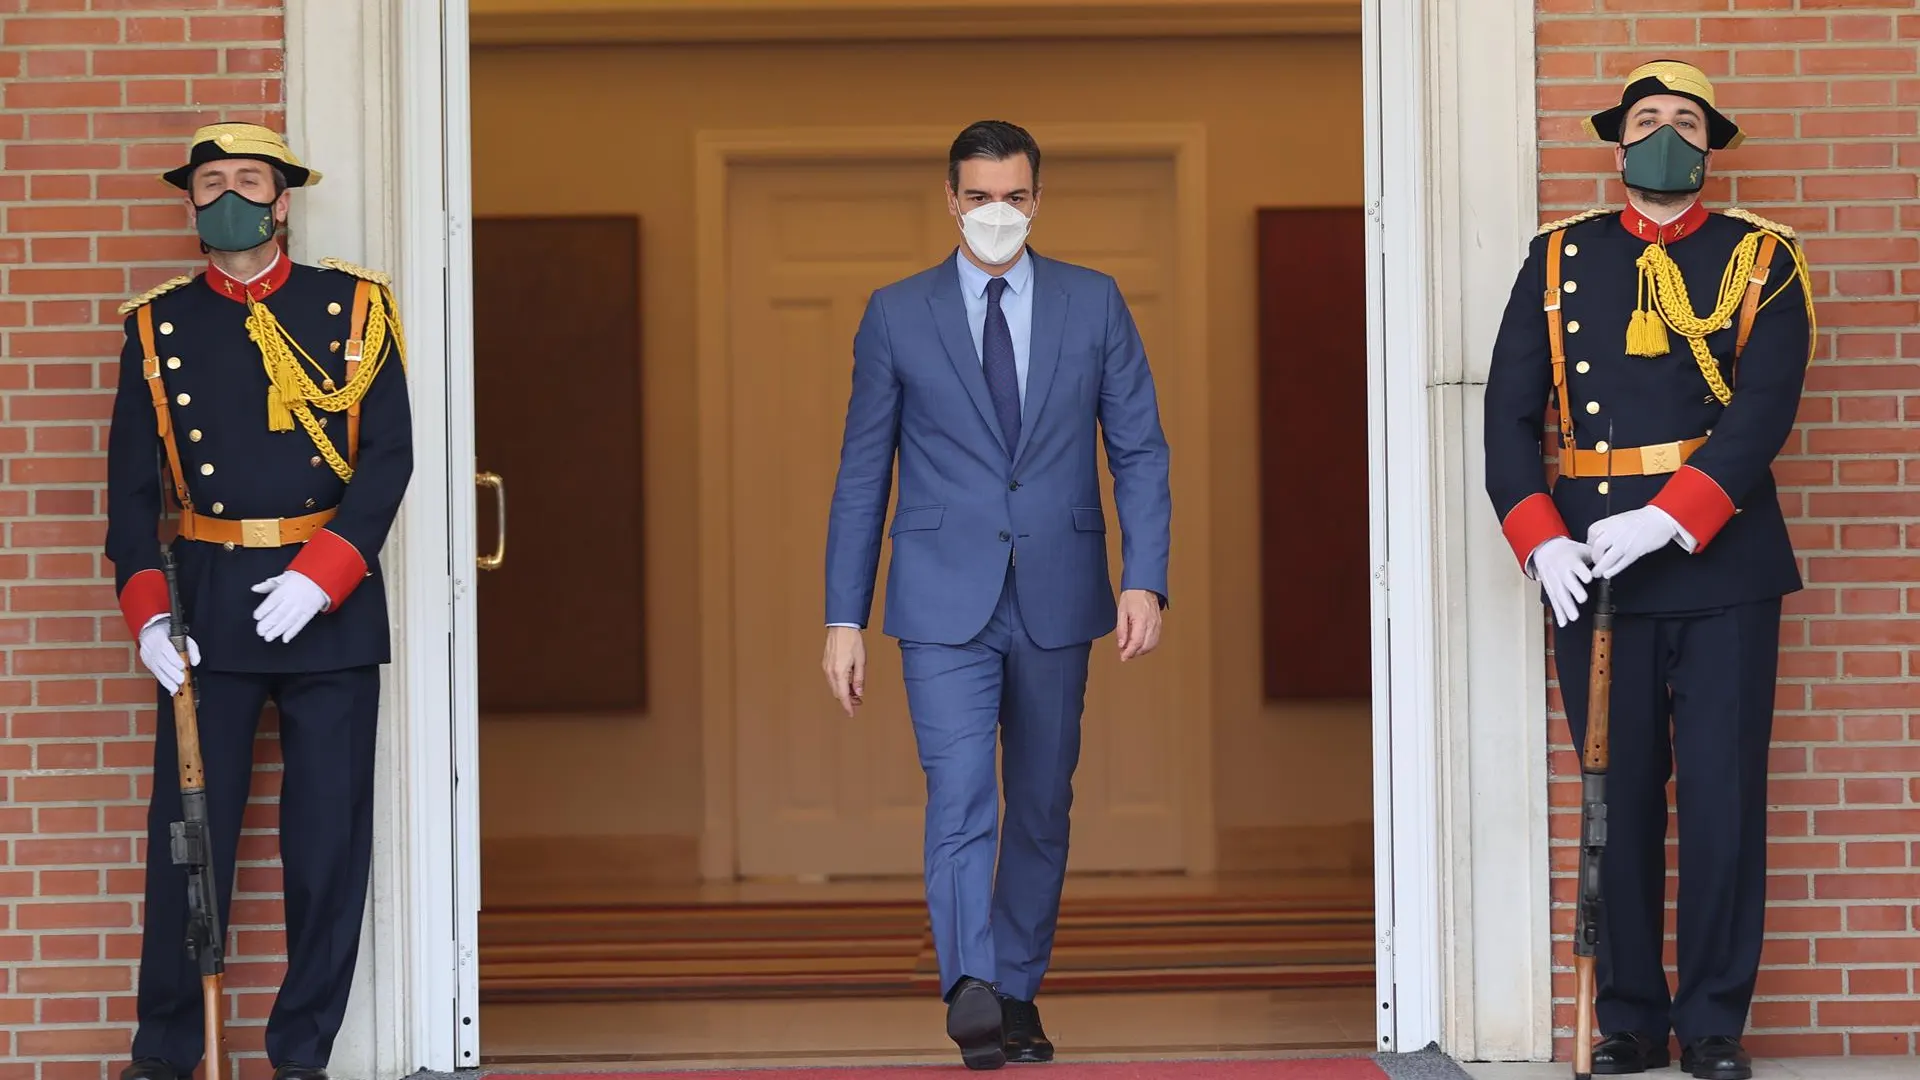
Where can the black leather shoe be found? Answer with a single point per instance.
(1716, 1057)
(973, 1023)
(1626, 1052)
(299, 1072)
(1025, 1039)
(151, 1069)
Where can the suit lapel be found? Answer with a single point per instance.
(950, 317)
(1049, 325)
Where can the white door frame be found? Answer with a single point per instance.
(378, 100)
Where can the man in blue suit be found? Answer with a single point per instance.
(991, 376)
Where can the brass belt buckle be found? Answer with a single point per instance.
(260, 533)
(1664, 458)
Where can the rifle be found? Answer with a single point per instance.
(192, 844)
(1593, 811)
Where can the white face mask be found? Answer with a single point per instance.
(995, 231)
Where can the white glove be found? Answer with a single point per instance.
(158, 654)
(1560, 565)
(292, 601)
(1619, 540)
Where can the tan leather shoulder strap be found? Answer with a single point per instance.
(1556, 341)
(162, 416)
(1750, 303)
(356, 337)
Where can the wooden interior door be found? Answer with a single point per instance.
(819, 794)
(1314, 518)
(557, 415)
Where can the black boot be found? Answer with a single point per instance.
(1025, 1039)
(299, 1072)
(1627, 1052)
(152, 1069)
(973, 1023)
(1716, 1057)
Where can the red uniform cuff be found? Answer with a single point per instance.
(1532, 523)
(332, 563)
(1693, 499)
(144, 597)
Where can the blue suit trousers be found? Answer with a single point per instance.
(996, 927)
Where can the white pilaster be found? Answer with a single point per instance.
(1482, 168)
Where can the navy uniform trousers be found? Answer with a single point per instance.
(327, 727)
(1710, 675)
(996, 928)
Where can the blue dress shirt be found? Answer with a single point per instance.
(1016, 302)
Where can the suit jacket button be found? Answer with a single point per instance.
(1015, 486)
(1004, 537)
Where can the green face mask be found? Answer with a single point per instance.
(234, 222)
(1665, 163)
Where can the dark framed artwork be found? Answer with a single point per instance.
(557, 415)
(1316, 615)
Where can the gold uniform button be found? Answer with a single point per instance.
(228, 545)
(309, 504)
(1573, 327)
(1593, 407)
(1604, 486)
(1582, 367)
(166, 328)
(173, 362)
(1573, 249)
(314, 461)
(184, 398)
(1600, 447)
(333, 308)
(219, 508)
(1573, 286)
(333, 346)
(227, 139)
(207, 469)
(194, 434)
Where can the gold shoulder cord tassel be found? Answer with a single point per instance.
(1664, 304)
(292, 393)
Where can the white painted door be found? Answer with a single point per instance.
(819, 794)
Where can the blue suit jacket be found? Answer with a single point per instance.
(969, 502)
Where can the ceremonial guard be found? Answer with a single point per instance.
(1674, 342)
(267, 401)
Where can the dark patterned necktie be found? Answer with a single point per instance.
(996, 354)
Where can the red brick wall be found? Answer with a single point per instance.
(99, 96)
(1827, 91)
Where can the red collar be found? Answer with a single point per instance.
(260, 288)
(1645, 228)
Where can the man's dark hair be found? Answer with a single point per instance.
(995, 140)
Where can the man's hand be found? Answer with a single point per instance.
(1619, 540)
(1139, 626)
(845, 664)
(160, 657)
(292, 600)
(1560, 565)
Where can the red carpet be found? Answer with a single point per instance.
(1357, 1068)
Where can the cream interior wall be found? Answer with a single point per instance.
(611, 130)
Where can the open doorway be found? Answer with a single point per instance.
(677, 825)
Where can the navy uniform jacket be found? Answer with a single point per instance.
(236, 468)
(1724, 494)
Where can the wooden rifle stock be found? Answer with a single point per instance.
(1593, 826)
(192, 840)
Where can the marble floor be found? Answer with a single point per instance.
(1251, 1023)
(1853, 1068)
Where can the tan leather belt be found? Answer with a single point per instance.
(252, 532)
(1631, 460)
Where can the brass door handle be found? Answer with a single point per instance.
(492, 480)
